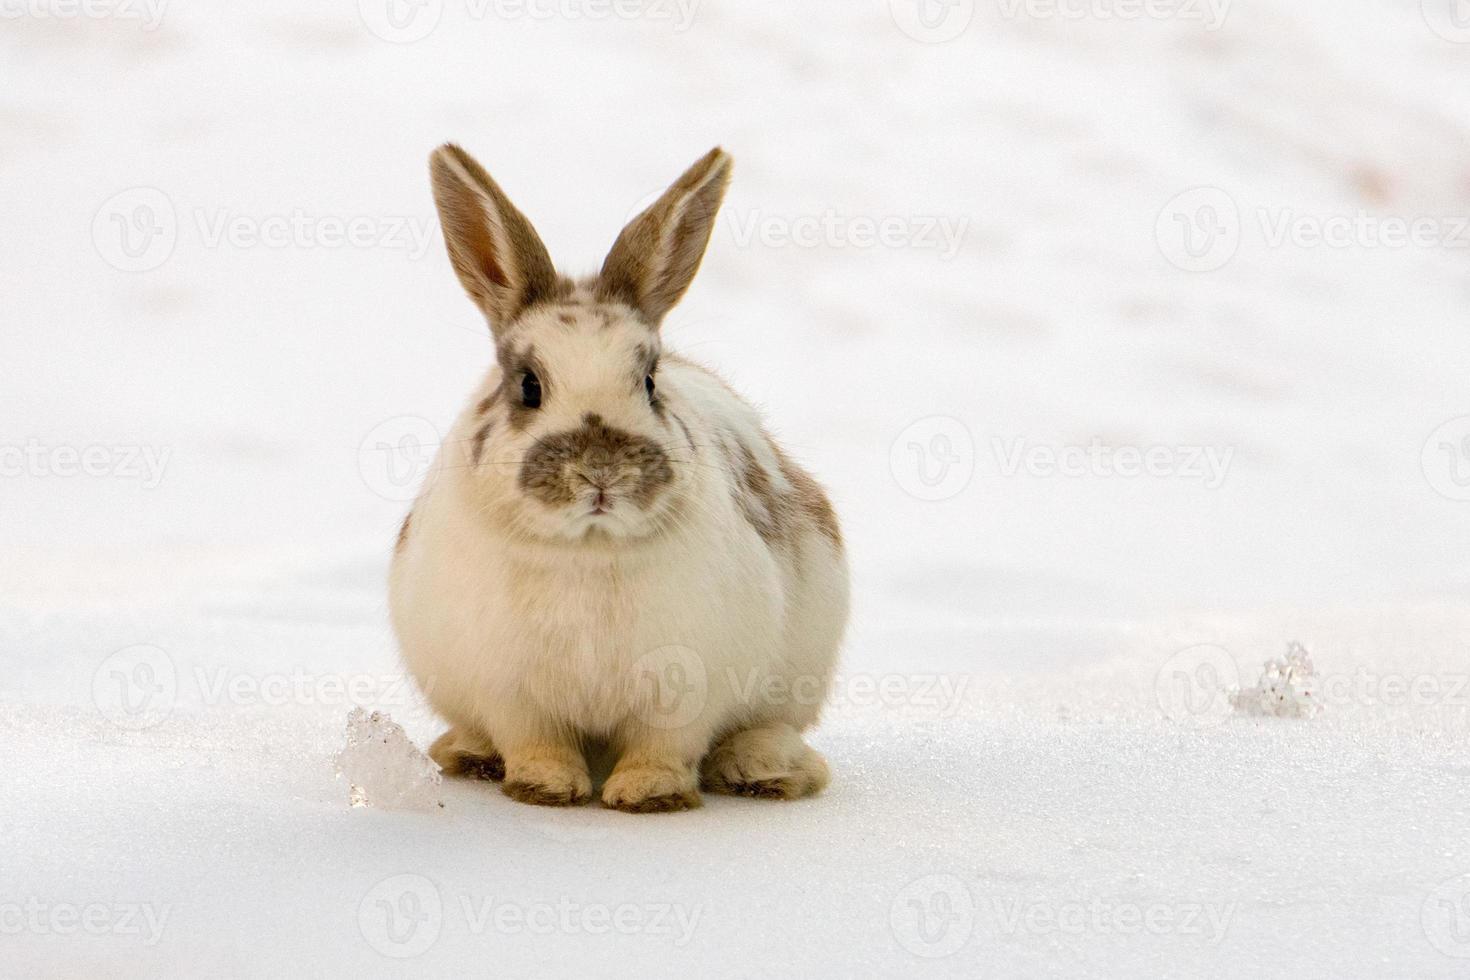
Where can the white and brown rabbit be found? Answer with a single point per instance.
(610, 550)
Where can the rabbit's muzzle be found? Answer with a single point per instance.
(597, 463)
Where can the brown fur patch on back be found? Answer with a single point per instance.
(763, 508)
(403, 532)
(777, 515)
(812, 500)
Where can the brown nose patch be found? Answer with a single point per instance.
(551, 471)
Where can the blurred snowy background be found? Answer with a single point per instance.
(1132, 338)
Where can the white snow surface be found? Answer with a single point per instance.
(1033, 773)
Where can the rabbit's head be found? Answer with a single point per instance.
(576, 438)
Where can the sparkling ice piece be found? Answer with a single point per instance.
(383, 768)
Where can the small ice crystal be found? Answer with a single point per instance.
(383, 768)
(1287, 688)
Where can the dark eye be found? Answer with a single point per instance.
(530, 390)
(648, 386)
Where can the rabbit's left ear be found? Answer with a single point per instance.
(655, 258)
(495, 252)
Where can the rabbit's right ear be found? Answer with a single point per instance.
(496, 253)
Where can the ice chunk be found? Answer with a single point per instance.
(383, 768)
(1287, 688)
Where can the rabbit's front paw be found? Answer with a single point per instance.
(651, 789)
(770, 762)
(467, 755)
(547, 782)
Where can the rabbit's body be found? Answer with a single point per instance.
(646, 571)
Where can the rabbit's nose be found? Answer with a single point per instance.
(599, 478)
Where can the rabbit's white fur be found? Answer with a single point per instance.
(699, 626)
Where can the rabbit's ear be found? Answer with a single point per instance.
(496, 253)
(655, 258)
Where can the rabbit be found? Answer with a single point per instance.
(610, 553)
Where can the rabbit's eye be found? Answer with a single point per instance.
(530, 390)
(648, 386)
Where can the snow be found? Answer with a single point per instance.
(1037, 768)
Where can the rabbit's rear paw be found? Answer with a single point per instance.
(467, 756)
(770, 763)
(650, 790)
(547, 782)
